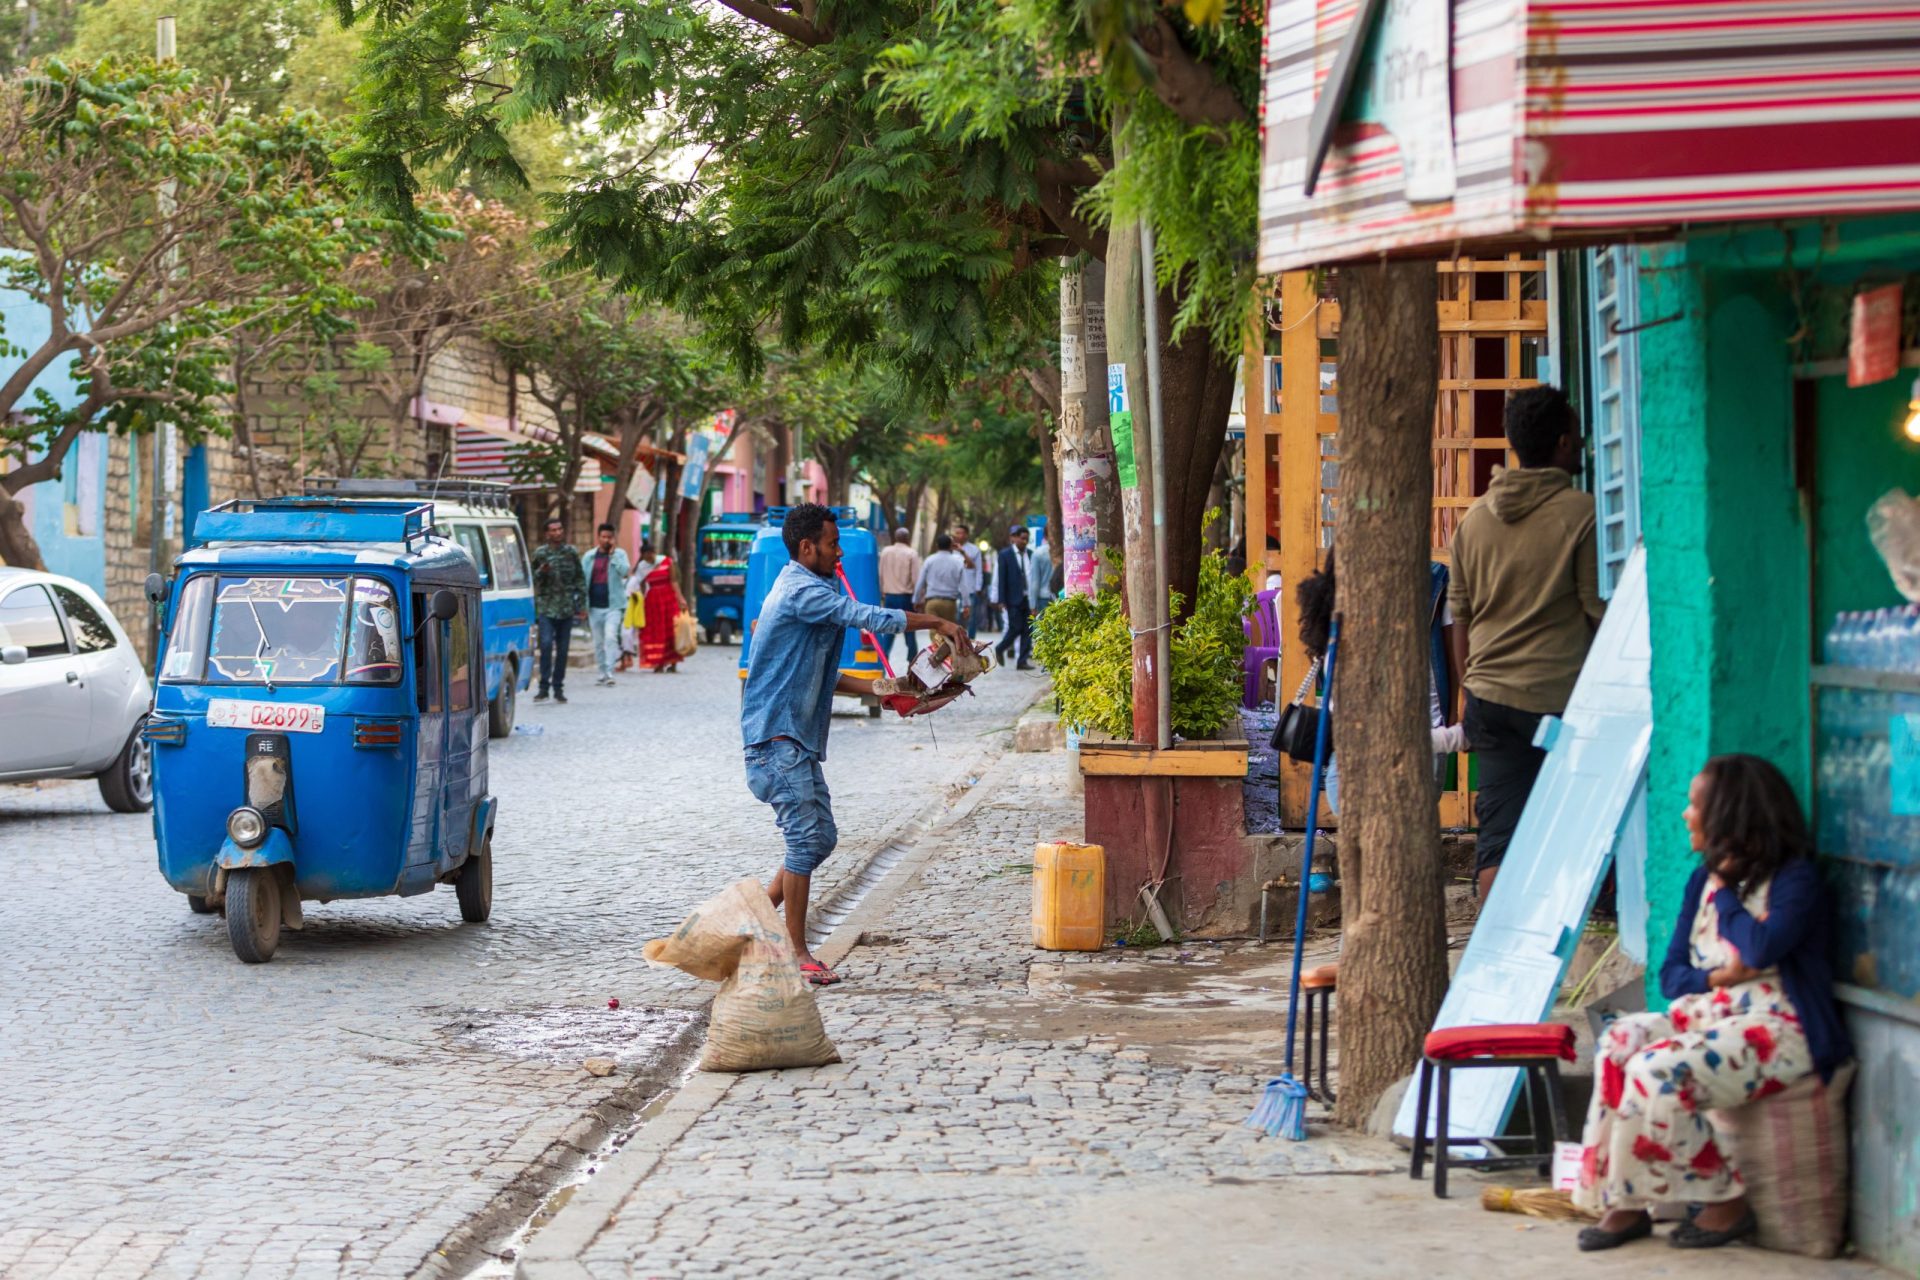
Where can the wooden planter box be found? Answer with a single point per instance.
(1211, 862)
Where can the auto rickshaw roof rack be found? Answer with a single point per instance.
(316, 519)
(462, 489)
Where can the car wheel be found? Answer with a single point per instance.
(474, 885)
(500, 710)
(127, 784)
(253, 913)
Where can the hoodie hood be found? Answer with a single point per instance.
(1517, 492)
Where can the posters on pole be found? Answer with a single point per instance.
(699, 447)
(1080, 481)
(640, 490)
(1120, 425)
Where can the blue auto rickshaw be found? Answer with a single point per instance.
(859, 561)
(720, 575)
(320, 720)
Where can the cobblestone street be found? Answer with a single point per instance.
(393, 1082)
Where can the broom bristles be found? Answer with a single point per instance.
(1535, 1202)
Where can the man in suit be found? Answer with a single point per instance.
(1010, 590)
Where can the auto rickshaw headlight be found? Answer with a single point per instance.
(246, 827)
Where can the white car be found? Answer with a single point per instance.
(72, 690)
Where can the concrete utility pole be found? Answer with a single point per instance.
(163, 49)
(1156, 452)
(1127, 422)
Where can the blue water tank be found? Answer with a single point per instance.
(859, 560)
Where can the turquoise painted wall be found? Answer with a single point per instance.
(1726, 545)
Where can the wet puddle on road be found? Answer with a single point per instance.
(643, 1036)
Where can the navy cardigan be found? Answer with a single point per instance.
(1797, 935)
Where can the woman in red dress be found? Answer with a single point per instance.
(663, 610)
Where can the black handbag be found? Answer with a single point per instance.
(1299, 725)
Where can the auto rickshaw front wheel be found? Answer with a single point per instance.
(253, 913)
(474, 885)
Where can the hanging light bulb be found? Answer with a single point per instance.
(1912, 427)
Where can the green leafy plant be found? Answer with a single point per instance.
(1085, 642)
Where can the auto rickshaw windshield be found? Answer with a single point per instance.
(278, 629)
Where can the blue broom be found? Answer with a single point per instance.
(1282, 1109)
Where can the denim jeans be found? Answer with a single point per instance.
(555, 635)
(604, 626)
(1508, 763)
(902, 600)
(787, 776)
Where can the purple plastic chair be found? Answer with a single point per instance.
(1262, 627)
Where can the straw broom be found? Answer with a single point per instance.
(1535, 1202)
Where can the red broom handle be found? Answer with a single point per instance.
(869, 636)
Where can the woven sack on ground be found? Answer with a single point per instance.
(765, 1016)
(1791, 1151)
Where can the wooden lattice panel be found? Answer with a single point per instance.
(1493, 330)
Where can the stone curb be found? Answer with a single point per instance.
(554, 1252)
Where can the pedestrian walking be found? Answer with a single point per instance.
(1039, 578)
(559, 600)
(1525, 595)
(1010, 588)
(970, 589)
(787, 704)
(943, 580)
(899, 575)
(663, 605)
(634, 618)
(606, 571)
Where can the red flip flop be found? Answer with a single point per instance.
(818, 974)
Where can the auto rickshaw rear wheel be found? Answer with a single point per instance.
(253, 913)
(501, 710)
(200, 906)
(474, 885)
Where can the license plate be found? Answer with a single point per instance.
(285, 717)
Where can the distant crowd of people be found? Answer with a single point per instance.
(959, 582)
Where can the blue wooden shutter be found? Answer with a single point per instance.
(1613, 294)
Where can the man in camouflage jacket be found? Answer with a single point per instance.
(559, 600)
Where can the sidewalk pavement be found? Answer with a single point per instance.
(1003, 1111)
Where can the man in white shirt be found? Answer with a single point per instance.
(974, 580)
(942, 579)
(899, 575)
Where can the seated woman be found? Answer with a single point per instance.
(1751, 981)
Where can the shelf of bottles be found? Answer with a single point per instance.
(1867, 780)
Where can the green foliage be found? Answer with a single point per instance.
(1085, 643)
(145, 296)
(249, 45)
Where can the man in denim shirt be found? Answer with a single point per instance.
(788, 701)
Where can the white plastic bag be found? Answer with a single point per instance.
(1894, 525)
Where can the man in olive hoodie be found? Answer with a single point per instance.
(1525, 597)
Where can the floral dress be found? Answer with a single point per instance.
(1648, 1139)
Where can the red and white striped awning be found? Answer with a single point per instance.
(481, 442)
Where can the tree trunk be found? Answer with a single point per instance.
(1393, 969)
(915, 495)
(635, 424)
(1196, 396)
(18, 546)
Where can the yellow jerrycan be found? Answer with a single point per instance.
(1069, 897)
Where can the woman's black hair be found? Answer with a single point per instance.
(1751, 820)
(1315, 598)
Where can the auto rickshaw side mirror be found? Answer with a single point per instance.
(156, 588)
(13, 655)
(444, 605)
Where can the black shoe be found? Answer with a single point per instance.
(1691, 1235)
(1024, 666)
(1593, 1239)
(559, 696)
(540, 696)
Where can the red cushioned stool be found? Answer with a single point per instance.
(1317, 988)
(1537, 1049)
